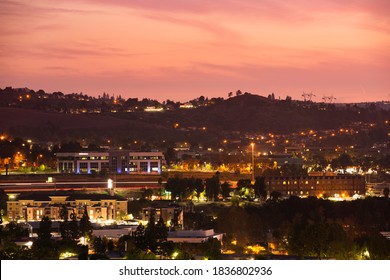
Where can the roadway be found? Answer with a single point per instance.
(74, 185)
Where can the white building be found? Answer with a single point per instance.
(122, 161)
(193, 236)
(83, 162)
(116, 161)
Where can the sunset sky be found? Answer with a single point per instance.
(181, 49)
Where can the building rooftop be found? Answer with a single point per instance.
(46, 196)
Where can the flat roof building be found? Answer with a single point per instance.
(193, 236)
(115, 161)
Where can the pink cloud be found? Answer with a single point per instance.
(182, 49)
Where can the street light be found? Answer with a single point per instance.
(110, 186)
(253, 162)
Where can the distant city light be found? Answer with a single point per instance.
(174, 255)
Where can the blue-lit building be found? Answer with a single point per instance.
(114, 161)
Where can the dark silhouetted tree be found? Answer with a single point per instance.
(212, 187)
(386, 192)
(259, 188)
(199, 187)
(225, 189)
(85, 225)
(44, 247)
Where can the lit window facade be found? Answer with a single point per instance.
(99, 207)
(115, 161)
(320, 186)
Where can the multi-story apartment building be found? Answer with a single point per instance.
(168, 214)
(116, 161)
(34, 206)
(320, 186)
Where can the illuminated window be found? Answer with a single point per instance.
(133, 167)
(154, 166)
(143, 167)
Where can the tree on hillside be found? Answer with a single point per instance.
(173, 186)
(140, 237)
(321, 240)
(225, 189)
(71, 147)
(74, 227)
(150, 241)
(386, 192)
(44, 231)
(161, 234)
(244, 188)
(317, 162)
(275, 196)
(243, 183)
(99, 245)
(13, 230)
(259, 188)
(153, 237)
(44, 247)
(64, 225)
(85, 224)
(3, 200)
(199, 187)
(170, 155)
(212, 187)
(147, 193)
(212, 249)
(343, 161)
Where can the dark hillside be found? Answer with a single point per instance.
(25, 113)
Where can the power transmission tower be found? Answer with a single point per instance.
(307, 96)
(328, 99)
